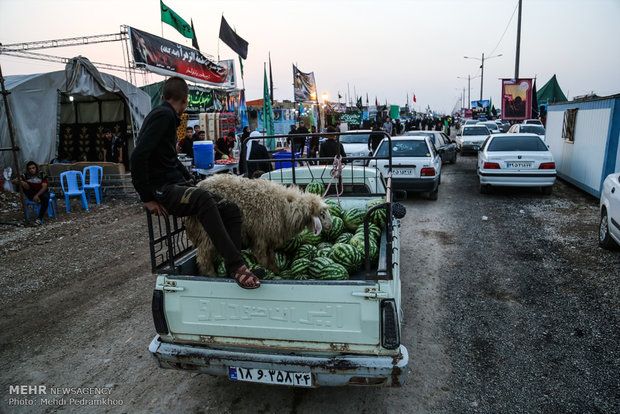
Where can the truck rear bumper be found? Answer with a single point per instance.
(326, 371)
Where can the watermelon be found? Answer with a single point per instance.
(353, 218)
(301, 276)
(336, 230)
(308, 237)
(323, 245)
(374, 202)
(334, 271)
(346, 255)
(316, 187)
(334, 208)
(281, 260)
(324, 252)
(373, 231)
(317, 265)
(344, 238)
(249, 259)
(357, 241)
(292, 245)
(377, 217)
(286, 274)
(300, 267)
(305, 251)
(220, 266)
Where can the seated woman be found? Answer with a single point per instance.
(34, 184)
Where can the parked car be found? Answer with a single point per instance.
(609, 229)
(515, 160)
(492, 125)
(356, 145)
(444, 145)
(416, 164)
(533, 122)
(471, 137)
(528, 129)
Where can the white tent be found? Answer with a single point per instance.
(80, 96)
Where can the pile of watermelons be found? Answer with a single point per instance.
(333, 254)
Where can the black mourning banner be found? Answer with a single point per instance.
(233, 40)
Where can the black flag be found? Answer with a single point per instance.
(194, 40)
(234, 41)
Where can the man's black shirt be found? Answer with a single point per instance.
(154, 161)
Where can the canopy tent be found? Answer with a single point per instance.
(550, 93)
(66, 111)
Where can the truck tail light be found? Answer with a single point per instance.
(427, 172)
(491, 166)
(158, 312)
(547, 166)
(390, 332)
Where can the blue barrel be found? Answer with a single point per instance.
(285, 156)
(203, 154)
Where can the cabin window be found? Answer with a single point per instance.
(568, 126)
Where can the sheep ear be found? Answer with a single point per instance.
(316, 226)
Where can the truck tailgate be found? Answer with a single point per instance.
(312, 315)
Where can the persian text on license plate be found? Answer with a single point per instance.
(519, 164)
(402, 171)
(270, 376)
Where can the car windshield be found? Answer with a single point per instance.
(354, 139)
(476, 130)
(512, 143)
(532, 129)
(405, 149)
(491, 125)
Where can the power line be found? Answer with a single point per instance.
(506, 29)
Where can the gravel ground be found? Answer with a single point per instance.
(515, 313)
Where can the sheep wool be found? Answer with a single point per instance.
(272, 214)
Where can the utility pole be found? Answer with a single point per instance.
(518, 42)
(482, 76)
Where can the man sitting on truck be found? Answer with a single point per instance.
(165, 186)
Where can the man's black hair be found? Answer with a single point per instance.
(175, 88)
(29, 163)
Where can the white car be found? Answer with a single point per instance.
(492, 125)
(416, 164)
(470, 139)
(533, 122)
(516, 160)
(609, 229)
(528, 129)
(356, 145)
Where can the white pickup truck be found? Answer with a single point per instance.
(304, 333)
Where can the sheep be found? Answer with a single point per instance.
(272, 214)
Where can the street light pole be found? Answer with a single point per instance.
(482, 69)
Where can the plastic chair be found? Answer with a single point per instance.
(72, 187)
(93, 175)
(52, 207)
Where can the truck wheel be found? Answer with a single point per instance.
(604, 239)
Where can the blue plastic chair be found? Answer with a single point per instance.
(93, 176)
(71, 186)
(52, 207)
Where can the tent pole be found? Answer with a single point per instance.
(14, 149)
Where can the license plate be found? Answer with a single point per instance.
(402, 171)
(270, 376)
(519, 164)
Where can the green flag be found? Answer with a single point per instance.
(174, 20)
(241, 65)
(267, 113)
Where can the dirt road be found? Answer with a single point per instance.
(517, 312)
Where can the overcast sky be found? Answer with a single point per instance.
(386, 49)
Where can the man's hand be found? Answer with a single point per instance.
(155, 208)
(36, 199)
